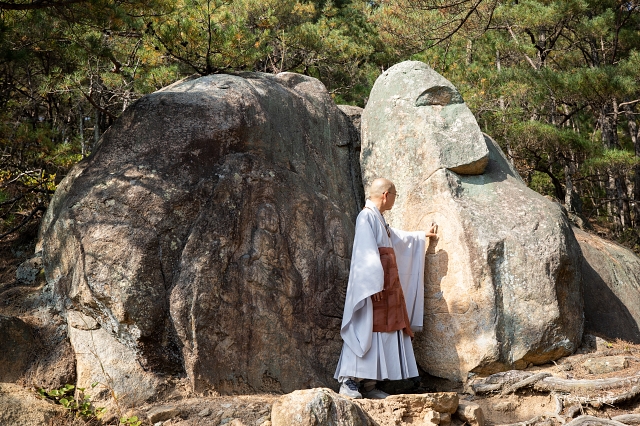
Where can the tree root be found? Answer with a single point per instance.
(524, 383)
(600, 400)
(556, 384)
(593, 421)
(584, 420)
(628, 419)
(597, 391)
(497, 381)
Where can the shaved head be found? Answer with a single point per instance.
(379, 187)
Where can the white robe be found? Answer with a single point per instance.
(380, 355)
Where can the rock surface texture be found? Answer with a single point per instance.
(318, 407)
(20, 406)
(502, 284)
(18, 345)
(209, 237)
(611, 280)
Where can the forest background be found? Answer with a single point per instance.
(555, 82)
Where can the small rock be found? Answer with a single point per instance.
(445, 419)
(228, 413)
(28, 270)
(162, 413)
(317, 407)
(606, 364)
(470, 413)
(432, 417)
(204, 413)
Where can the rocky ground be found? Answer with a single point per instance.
(601, 380)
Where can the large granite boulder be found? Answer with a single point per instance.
(502, 284)
(611, 282)
(209, 237)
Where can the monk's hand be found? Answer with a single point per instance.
(432, 232)
(377, 297)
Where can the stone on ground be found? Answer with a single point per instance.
(162, 413)
(607, 364)
(317, 407)
(470, 413)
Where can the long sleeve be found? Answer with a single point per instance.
(366, 277)
(410, 249)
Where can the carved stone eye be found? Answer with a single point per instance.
(439, 95)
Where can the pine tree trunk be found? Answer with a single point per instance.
(632, 128)
(83, 148)
(623, 203)
(609, 126)
(636, 190)
(96, 127)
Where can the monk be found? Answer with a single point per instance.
(385, 299)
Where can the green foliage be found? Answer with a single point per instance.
(541, 183)
(81, 406)
(130, 421)
(615, 161)
(554, 82)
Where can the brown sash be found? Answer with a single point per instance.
(390, 313)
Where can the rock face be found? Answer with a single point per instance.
(18, 346)
(19, 406)
(611, 280)
(502, 284)
(209, 236)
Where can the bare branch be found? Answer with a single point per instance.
(26, 220)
